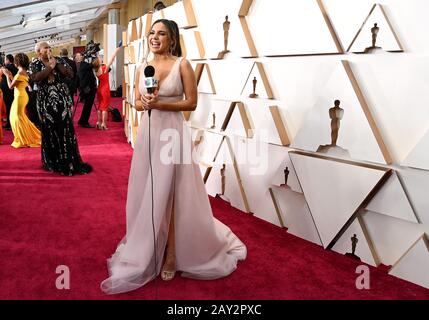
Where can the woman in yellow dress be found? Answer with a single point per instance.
(25, 132)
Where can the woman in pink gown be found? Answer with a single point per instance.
(183, 235)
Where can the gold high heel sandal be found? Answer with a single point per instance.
(168, 275)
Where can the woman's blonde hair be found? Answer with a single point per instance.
(39, 45)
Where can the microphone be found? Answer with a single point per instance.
(150, 82)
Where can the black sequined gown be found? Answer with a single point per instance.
(60, 152)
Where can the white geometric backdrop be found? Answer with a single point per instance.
(304, 55)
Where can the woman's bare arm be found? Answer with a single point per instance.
(41, 75)
(112, 58)
(138, 97)
(12, 83)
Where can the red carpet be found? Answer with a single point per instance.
(47, 220)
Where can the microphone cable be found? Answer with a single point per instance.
(149, 72)
(153, 219)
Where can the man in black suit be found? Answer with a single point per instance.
(8, 93)
(70, 82)
(88, 89)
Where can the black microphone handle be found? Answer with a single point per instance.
(150, 90)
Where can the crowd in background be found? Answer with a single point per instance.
(38, 100)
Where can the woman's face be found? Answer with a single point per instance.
(78, 57)
(159, 39)
(45, 50)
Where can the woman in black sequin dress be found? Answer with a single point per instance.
(60, 152)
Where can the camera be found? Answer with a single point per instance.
(91, 50)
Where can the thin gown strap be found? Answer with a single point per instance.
(176, 67)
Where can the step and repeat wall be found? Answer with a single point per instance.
(312, 115)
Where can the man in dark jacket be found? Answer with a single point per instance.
(8, 93)
(88, 89)
(70, 82)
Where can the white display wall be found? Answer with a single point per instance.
(114, 34)
(305, 54)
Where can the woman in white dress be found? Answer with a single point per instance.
(182, 233)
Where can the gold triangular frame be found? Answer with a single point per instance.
(389, 24)
(264, 79)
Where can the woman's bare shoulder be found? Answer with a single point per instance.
(185, 65)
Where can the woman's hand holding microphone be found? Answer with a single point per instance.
(150, 100)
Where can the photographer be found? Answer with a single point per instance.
(71, 82)
(87, 83)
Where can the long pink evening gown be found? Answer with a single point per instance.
(205, 247)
